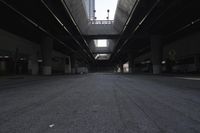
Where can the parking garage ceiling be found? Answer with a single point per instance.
(35, 19)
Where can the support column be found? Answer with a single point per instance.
(33, 65)
(156, 53)
(47, 48)
(74, 65)
(67, 65)
(115, 68)
(2, 67)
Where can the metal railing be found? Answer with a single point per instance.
(101, 21)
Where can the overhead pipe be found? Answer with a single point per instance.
(138, 26)
(59, 21)
(37, 26)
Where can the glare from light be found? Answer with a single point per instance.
(102, 6)
(126, 67)
(40, 60)
(163, 62)
(6, 57)
(190, 78)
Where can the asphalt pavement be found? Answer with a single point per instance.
(100, 103)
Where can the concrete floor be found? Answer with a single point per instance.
(100, 103)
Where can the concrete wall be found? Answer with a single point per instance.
(59, 64)
(143, 57)
(78, 12)
(89, 6)
(19, 52)
(100, 29)
(185, 50)
(86, 4)
(122, 13)
(10, 42)
(185, 47)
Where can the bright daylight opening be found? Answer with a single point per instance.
(102, 57)
(105, 9)
(101, 43)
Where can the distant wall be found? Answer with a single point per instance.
(10, 42)
(184, 47)
(186, 52)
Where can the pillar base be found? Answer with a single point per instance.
(2, 67)
(35, 70)
(73, 71)
(156, 69)
(68, 69)
(47, 70)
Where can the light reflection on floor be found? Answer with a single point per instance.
(189, 78)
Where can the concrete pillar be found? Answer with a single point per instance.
(74, 64)
(33, 65)
(68, 65)
(47, 48)
(2, 67)
(156, 53)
